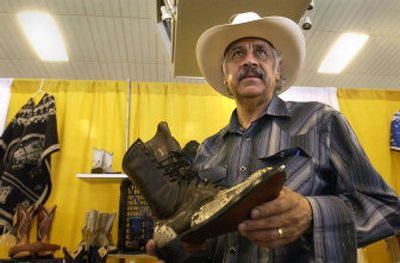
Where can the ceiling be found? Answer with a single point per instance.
(119, 40)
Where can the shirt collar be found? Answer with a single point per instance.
(276, 108)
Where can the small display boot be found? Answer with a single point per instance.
(22, 226)
(42, 247)
(98, 156)
(107, 162)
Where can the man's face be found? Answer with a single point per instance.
(251, 69)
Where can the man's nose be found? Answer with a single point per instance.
(250, 60)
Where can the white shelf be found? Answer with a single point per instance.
(101, 176)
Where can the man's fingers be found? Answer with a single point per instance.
(274, 207)
(150, 247)
(272, 238)
(272, 222)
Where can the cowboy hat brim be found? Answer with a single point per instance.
(284, 34)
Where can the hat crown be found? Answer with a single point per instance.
(244, 17)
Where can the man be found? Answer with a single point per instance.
(333, 200)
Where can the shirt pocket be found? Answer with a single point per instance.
(296, 158)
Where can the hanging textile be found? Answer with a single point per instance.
(25, 149)
(5, 94)
(395, 132)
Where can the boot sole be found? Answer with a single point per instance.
(238, 208)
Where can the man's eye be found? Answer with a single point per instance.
(261, 52)
(237, 53)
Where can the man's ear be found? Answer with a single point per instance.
(227, 87)
(278, 70)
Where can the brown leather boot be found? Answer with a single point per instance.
(42, 247)
(22, 226)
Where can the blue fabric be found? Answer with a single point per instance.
(395, 132)
(352, 205)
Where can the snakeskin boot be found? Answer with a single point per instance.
(184, 205)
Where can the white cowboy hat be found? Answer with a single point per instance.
(284, 34)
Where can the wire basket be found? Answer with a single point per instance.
(135, 225)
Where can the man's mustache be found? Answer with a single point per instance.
(251, 72)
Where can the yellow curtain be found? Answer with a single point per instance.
(370, 113)
(89, 114)
(193, 111)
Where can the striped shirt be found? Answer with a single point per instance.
(352, 205)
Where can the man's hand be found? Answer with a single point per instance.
(150, 249)
(279, 222)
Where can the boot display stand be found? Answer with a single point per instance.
(135, 225)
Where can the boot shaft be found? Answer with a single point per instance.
(162, 143)
(88, 230)
(103, 230)
(107, 162)
(22, 223)
(143, 171)
(98, 156)
(45, 219)
(163, 172)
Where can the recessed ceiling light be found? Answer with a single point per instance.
(43, 35)
(342, 52)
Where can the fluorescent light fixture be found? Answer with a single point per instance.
(342, 52)
(43, 35)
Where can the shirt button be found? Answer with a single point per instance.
(232, 250)
(243, 168)
(282, 166)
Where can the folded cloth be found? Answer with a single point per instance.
(395, 132)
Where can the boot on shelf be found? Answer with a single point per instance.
(107, 162)
(98, 156)
(22, 226)
(42, 247)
